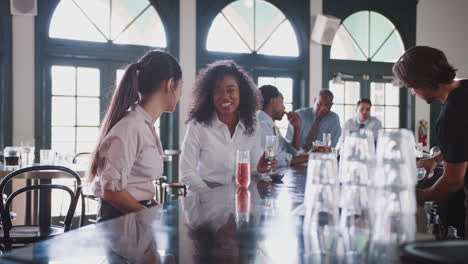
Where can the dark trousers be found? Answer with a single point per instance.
(106, 211)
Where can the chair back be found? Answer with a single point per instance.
(5, 206)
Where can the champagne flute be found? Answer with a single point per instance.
(271, 149)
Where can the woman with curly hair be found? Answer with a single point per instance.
(221, 121)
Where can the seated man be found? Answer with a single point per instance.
(315, 122)
(273, 109)
(363, 119)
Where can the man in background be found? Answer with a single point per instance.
(314, 122)
(273, 109)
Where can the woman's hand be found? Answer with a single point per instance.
(264, 164)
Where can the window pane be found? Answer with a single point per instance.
(339, 110)
(377, 93)
(285, 85)
(358, 26)
(147, 30)
(266, 80)
(352, 92)
(222, 37)
(338, 92)
(88, 81)
(392, 94)
(118, 76)
(86, 138)
(344, 47)
(379, 112)
(98, 12)
(240, 15)
(63, 139)
(392, 117)
(380, 29)
(267, 19)
(63, 111)
(350, 112)
(63, 80)
(68, 22)
(123, 12)
(283, 42)
(391, 50)
(88, 111)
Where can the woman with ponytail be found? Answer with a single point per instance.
(128, 155)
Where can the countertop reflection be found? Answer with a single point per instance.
(221, 225)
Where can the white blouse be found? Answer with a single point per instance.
(209, 153)
(130, 157)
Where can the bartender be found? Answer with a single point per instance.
(427, 73)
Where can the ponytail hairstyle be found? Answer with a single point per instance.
(423, 67)
(140, 80)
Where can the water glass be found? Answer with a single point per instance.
(27, 156)
(327, 139)
(355, 222)
(243, 168)
(396, 164)
(11, 158)
(271, 147)
(47, 156)
(357, 160)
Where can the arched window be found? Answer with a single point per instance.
(252, 26)
(88, 44)
(367, 36)
(361, 57)
(265, 37)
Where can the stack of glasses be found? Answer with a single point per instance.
(321, 209)
(394, 209)
(357, 164)
(376, 198)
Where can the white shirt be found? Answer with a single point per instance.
(353, 124)
(285, 150)
(130, 157)
(209, 153)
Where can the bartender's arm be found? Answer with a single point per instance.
(450, 182)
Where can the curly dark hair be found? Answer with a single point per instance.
(203, 108)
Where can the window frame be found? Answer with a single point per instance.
(106, 55)
(6, 76)
(297, 14)
(402, 14)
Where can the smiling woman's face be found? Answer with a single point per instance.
(226, 96)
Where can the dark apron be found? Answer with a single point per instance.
(106, 211)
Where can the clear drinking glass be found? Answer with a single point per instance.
(243, 168)
(271, 148)
(357, 160)
(395, 159)
(11, 158)
(47, 156)
(27, 156)
(327, 139)
(355, 222)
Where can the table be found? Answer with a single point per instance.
(44, 177)
(221, 225)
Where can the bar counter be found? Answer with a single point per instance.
(221, 225)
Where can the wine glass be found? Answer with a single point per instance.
(271, 149)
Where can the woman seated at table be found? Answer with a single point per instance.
(128, 155)
(221, 121)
